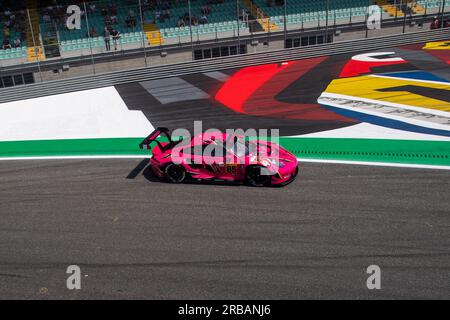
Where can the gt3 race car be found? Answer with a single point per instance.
(257, 163)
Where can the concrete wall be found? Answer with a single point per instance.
(117, 65)
(382, 32)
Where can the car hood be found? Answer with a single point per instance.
(264, 152)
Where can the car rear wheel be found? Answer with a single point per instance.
(175, 173)
(258, 176)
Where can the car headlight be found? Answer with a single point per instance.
(277, 163)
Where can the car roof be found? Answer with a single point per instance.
(208, 137)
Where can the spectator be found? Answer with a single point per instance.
(195, 21)
(115, 36)
(6, 32)
(17, 43)
(166, 14)
(130, 22)
(114, 19)
(92, 7)
(203, 19)
(46, 18)
(93, 33)
(107, 37)
(180, 22)
(6, 44)
(104, 12)
(435, 24)
(157, 15)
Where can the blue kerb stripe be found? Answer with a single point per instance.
(416, 75)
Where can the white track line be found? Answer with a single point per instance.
(137, 156)
(387, 76)
(364, 163)
(379, 164)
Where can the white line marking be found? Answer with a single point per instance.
(387, 103)
(173, 90)
(372, 57)
(217, 75)
(379, 164)
(366, 130)
(390, 115)
(386, 76)
(365, 163)
(137, 156)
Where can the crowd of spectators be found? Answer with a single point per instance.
(13, 28)
(57, 17)
(57, 14)
(111, 20)
(195, 20)
(161, 11)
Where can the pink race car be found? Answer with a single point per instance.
(210, 156)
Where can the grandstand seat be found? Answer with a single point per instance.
(306, 11)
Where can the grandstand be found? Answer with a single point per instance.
(298, 10)
(221, 18)
(79, 39)
(156, 25)
(13, 24)
(159, 23)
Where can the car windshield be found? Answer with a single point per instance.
(241, 148)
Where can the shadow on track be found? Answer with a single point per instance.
(134, 173)
(148, 174)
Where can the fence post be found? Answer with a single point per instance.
(141, 14)
(89, 37)
(34, 44)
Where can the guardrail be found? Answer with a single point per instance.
(178, 69)
(260, 36)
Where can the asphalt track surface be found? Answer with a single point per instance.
(134, 237)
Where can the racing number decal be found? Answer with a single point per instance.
(231, 168)
(224, 168)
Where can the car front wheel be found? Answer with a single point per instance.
(258, 176)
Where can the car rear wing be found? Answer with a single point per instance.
(145, 144)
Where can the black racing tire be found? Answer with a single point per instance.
(175, 173)
(255, 178)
